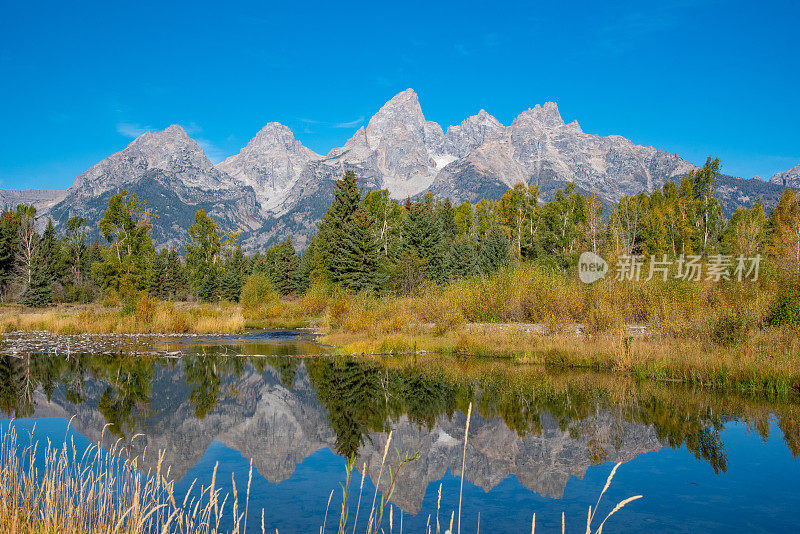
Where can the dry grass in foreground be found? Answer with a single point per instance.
(95, 493)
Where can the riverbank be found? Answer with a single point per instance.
(150, 316)
(727, 334)
(765, 362)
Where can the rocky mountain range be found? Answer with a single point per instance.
(172, 173)
(275, 187)
(790, 178)
(10, 198)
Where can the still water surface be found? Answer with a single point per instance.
(539, 441)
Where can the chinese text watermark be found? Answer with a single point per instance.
(715, 268)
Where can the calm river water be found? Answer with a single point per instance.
(539, 441)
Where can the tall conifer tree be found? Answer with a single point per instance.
(336, 223)
(423, 237)
(494, 251)
(358, 269)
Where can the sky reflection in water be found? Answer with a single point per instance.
(539, 442)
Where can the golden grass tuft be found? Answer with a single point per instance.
(98, 492)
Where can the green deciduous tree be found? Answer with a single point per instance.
(559, 223)
(785, 230)
(387, 215)
(126, 226)
(463, 220)
(708, 213)
(746, 232)
(27, 242)
(202, 254)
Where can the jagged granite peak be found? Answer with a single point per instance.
(402, 147)
(169, 171)
(473, 131)
(170, 151)
(399, 118)
(538, 148)
(271, 163)
(547, 115)
(788, 178)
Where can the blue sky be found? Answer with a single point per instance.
(80, 79)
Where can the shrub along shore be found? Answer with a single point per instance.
(732, 334)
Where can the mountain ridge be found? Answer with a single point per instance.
(276, 187)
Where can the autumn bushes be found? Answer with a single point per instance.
(717, 334)
(786, 309)
(530, 293)
(141, 316)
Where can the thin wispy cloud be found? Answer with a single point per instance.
(491, 40)
(351, 124)
(347, 124)
(192, 128)
(131, 130)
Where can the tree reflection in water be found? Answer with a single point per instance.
(363, 397)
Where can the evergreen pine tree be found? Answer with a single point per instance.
(231, 283)
(51, 251)
(208, 284)
(39, 292)
(9, 223)
(447, 216)
(286, 266)
(306, 267)
(494, 251)
(158, 279)
(174, 276)
(462, 259)
(257, 263)
(423, 237)
(358, 268)
(336, 223)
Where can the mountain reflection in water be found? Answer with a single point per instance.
(541, 427)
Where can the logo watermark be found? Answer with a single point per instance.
(717, 267)
(591, 267)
